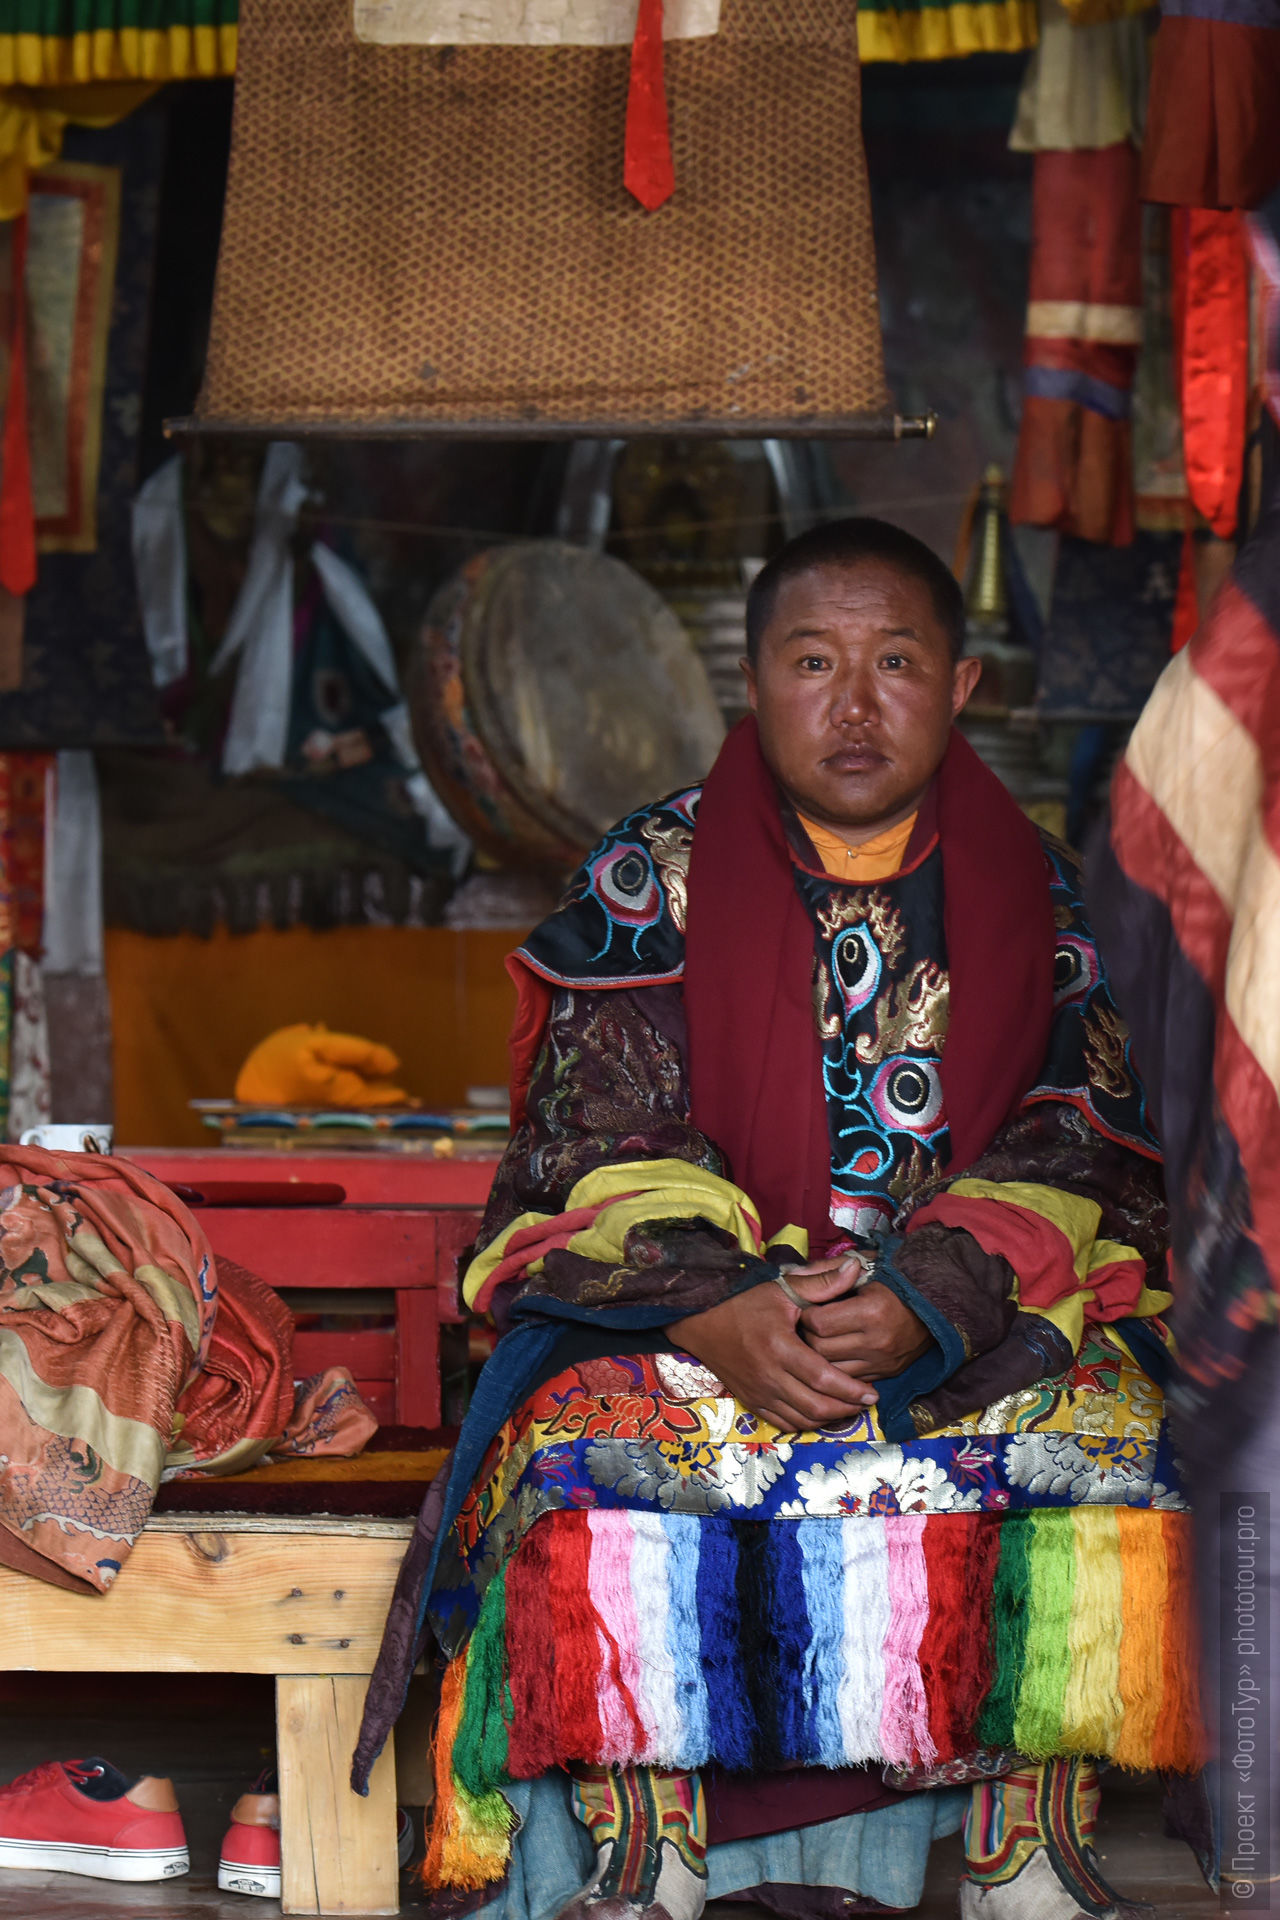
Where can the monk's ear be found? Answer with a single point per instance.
(968, 672)
(749, 675)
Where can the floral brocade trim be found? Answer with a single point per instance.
(644, 1432)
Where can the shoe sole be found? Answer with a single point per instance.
(264, 1881)
(97, 1863)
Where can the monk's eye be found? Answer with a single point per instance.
(812, 663)
(893, 661)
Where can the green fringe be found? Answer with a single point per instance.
(1008, 1631)
(481, 1745)
(1037, 1729)
(491, 1813)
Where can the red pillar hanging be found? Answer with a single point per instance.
(17, 513)
(1211, 345)
(648, 170)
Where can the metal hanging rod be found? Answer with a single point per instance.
(858, 426)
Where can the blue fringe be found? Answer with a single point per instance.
(822, 1553)
(790, 1616)
(731, 1723)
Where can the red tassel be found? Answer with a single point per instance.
(17, 512)
(648, 170)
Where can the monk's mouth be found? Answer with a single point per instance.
(855, 760)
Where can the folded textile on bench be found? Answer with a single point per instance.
(126, 1356)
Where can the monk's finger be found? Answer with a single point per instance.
(814, 1269)
(824, 1409)
(851, 1351)
(831, 1318)
(808, 1412)
(830, 1281)
(783, 1415)
(818, 1377)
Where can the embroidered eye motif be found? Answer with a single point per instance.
(906, 1096)
(856, 966)
(624, 881)
(1075, 971)
(863, 1155)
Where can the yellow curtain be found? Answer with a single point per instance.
(33, 121)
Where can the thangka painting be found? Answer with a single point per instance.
(85, 676)
(72, 240)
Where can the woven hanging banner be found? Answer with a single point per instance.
(422, 236)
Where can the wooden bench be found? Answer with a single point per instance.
(303, 1599)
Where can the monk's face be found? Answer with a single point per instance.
(854, 691)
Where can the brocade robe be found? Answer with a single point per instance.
(639, 1569)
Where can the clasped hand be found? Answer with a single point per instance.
(812, 1366)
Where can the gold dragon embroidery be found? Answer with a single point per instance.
(910, 1016)
(827, 1023)
(1105, 1035)
(874, 909)
(671, 847)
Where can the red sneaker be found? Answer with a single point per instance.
(250, 1857)
(85, 1816)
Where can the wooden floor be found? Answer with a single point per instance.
(213, 1735)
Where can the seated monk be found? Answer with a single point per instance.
(817, 1500)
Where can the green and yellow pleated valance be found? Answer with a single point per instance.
(58, 43)
(901, 30)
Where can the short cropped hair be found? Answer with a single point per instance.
(845, 543)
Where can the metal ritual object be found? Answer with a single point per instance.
(552, 691)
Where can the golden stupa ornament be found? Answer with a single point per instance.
(986, 597)
(1008, 669)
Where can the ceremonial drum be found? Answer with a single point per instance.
(553, 691)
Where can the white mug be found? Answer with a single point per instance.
(84, 1136)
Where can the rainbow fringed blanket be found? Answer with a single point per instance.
(644, 1578)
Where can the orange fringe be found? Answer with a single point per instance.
(469, 1841)
(1146, 1596)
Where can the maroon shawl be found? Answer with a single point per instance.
(755, 1064)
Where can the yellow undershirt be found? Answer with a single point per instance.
(870, 860)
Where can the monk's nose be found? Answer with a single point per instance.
(853, 700)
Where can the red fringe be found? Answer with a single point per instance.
(533, 1648)
(961, 1553)
(1179, 1742)
(947, 1637)
(575, 1675)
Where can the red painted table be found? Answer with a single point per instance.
(381, 1223)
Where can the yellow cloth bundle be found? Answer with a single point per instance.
(307, 1066)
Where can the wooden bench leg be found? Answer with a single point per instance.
(337, 1851)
